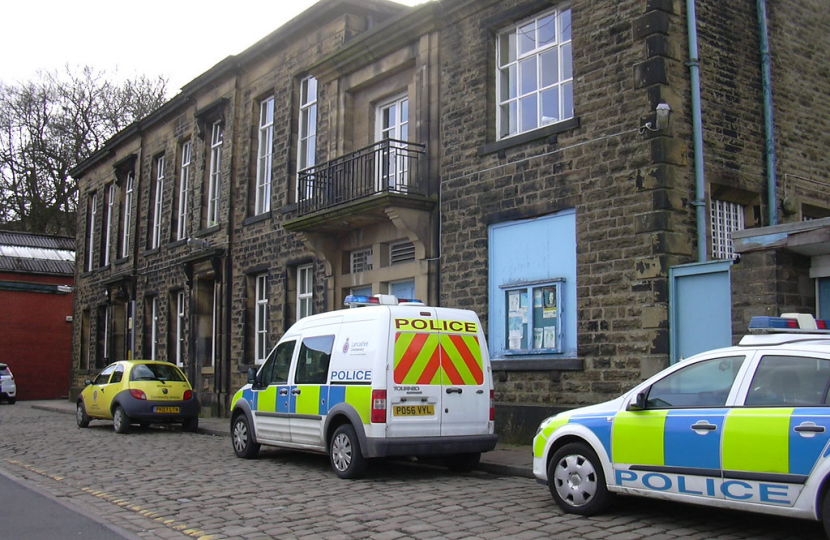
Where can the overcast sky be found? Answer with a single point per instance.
(178, 39)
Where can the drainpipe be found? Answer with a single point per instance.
(697, 131)
(769, 132)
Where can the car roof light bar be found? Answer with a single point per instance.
(790, 323)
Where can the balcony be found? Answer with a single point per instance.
(358, 189)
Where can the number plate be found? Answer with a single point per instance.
(168, 410)
(413, 410)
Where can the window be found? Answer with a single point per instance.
(304, 291)
(313, 360)
(360, 260)
(534, 79)
(307, 132)
(725, 217)
(109, 211)
(401, 252)
(532, 287)
(261, 319)
(532, 317)
(703, 384)
(91, 212)
(179, 326)
(393, 125)
(184, 188)
(275, 370)
(155, 228)
(86, 350)
(214, 179)
(787, 381)
(129, 186)
(151, 328)
(264, 157)
(104, 376)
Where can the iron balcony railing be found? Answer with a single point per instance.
(388, 166)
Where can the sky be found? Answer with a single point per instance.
(177, 39)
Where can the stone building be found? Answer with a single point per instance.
(572, 171)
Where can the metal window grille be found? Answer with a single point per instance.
(726, 217)
(401, 252)
(361, 260)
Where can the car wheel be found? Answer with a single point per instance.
(80, 415)
(576, 480)
(120, 421)
(12, 400)
(463, 462)
(191, 425)
(242, 439)
(825, 513)
(344, 453)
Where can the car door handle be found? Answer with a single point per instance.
(809, 427)
(454, 390)
(703, 425)
(296, 391)
(284, 391)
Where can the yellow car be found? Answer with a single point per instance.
(139, 392)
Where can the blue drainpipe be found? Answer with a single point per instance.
(769, 132)
(697, 132)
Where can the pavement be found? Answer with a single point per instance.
(506, 460)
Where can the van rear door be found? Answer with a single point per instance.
(465, 378)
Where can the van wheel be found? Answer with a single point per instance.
(243, 443)
(463, 462)
(81, 417)
(12, 400)
(344, 453)
(120, 421)
(576, 480)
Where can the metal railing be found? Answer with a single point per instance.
(388, 166)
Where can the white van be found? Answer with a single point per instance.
(387, 379)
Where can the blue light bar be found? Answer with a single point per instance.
(795, 323)
(763, 323)
(360, 299)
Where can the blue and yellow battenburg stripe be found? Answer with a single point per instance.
(314, 399)
(758, 440)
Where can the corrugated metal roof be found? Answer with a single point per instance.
(36, 253)
(10, 238)
(36, 266)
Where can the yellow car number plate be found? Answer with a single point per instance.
(413, 410)
(168, 410)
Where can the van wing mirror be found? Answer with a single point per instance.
(639, 401)
(252, 376)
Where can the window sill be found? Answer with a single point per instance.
(256, 219)
(151, 251)
(119, 262)
(538, 363)
(530, 136)
(177, 243)
(207, 230)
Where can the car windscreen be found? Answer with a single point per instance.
(4, 370)
(156, 372)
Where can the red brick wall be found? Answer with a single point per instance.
(35, 338)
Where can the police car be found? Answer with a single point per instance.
(744, 427)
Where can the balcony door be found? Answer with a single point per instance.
(392, 126)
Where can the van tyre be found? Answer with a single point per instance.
(344, 453)
(120, 421)
(242, 438)
(463, 462)
(576, 480)
(825, 512)
(81, 418)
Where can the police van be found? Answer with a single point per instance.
(744, 427)
(390, 378)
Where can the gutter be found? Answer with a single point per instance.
(697, 132)
(769, 131)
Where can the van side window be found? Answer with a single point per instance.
(276, 366)
(313, 362)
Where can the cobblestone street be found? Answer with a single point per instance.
(172, 485)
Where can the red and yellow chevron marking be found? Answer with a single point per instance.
(428, 358)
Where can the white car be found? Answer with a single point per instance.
(744, 427)
(8, 388)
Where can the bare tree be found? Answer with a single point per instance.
(51, 124)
